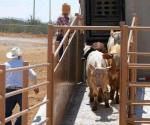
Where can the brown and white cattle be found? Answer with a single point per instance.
(97, 78)
(113, 47)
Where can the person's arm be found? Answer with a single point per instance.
(33, 78)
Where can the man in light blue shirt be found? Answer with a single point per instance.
(14, 81)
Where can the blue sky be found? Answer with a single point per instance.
(23, 8)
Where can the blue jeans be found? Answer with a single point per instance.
(10, 104)
(140, 93)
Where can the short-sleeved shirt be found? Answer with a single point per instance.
(15, 79)
(62, 20)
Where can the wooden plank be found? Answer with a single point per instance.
(124, 76)
(25, 94)
(2, 93)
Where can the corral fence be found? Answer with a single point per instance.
(64, 72)
(129, 81)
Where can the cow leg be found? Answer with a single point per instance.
(106, 99)
(100, 95)
(94, 106)
(117, 97)
(112, 92)
(91, 95)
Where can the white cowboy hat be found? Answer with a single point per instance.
(14, 53)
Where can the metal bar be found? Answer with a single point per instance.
(139, 53)
(123, 76)
(7, 95)
(139, 28)
(131, 33)
(139, 85)
(144, 102)
(50, 73)
(25, 111)
(2, 93)
(25, 94)
(27, 67)
(65, 37)
(144, 120)
(139, 66)
(88, 27)
(64, 51)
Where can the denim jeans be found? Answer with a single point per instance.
(10, 104)
(140, 93)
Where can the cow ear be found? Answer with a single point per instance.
(107, 56)
(111, 32)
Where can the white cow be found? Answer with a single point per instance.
(97, 78)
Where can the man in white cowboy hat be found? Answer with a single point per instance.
(14, 81)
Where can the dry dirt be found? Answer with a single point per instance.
(34, 49)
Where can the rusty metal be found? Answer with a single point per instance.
(124, 76)
(2, 93)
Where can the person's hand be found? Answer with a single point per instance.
(36, 90)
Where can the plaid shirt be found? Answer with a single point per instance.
(62, 21)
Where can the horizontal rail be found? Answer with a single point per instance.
(139, 66)
(25, 111)
(25, 89)
(139, 53)
(88, 27)
(144, 102)
(139, 85)
(141, 28)
(27, 67)
(143, 120)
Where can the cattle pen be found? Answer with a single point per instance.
(63, 75)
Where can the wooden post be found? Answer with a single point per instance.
(25, 94)
(50, 72)
(124, 76)
(2, 94)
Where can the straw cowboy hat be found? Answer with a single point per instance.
(14, 53)
(66, 8)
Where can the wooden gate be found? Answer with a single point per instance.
(129, 68)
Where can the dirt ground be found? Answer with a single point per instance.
(34, 49)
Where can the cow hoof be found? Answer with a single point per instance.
(94, 108)
(117, 101)
(91, 99)
(107, 105)
(100, 99)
